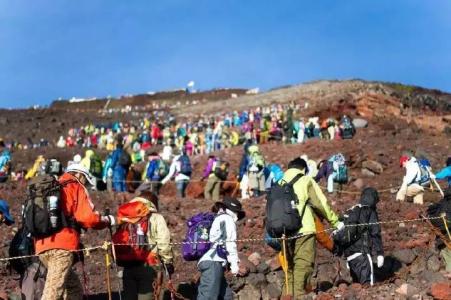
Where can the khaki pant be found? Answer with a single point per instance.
(212, 188)
(301, 260)
(61, 281)
(257, 181)
(138, 282)
(414, 190)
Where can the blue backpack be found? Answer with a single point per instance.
(425, 178)
(185, 165)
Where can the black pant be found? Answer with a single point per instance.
(362, 269)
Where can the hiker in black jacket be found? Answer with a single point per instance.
(358, 254)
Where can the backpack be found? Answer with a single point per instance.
(342, 174)
(185, 165)
(163, 168)
(125, 160)
(443, 207)
(21, 245)
(282, 215)
(53, 167)
(351, 233)
(130, 243)
(96, 166)
(221, 170)
(197, 238)
(425, 177)
(42, 212)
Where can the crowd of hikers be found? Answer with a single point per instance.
(58, 207)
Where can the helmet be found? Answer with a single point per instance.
(78, 168)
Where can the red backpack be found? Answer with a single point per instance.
(130, 239)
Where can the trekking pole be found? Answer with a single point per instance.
(446, 226)
(284, 251)
(171, 288)
(436, 184)
(113, 252)
(107, 265)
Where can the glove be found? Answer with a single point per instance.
(380, 261)
(169, 268)
(109, 219)
(432, 175)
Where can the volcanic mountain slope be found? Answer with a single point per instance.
(415, 265)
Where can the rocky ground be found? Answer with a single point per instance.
(413, 270)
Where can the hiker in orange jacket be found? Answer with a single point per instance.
(56, 251)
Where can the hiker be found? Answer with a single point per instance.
(37, 168)
(213, 263)
(410, 186)
(55, 251)
(181, 169)
(5, 216)
(445, 173)
(334, 170)
(140, 263)
(347, 128)
(359, 247)
(255, 171)
(93, 163)
(216, 175)
(312, 167)
(273, 174)
(301, 252)
(120, 163)
(156, 170)
(5, 161)
(436, 210)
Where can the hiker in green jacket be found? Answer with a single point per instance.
(301, 252)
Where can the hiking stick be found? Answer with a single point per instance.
(107, 265)
(436, 184)
(284, 249)
(113, 252)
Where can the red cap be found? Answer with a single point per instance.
(403, 159)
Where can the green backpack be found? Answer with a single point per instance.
(96, 166)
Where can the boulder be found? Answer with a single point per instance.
(273, 291)
(433, 263)
(407, 290)
(263, 268)
(441, 290)
(256, 279)
(418, 266)
(249, 292)
(406, 256)
(368, 173)
(276, 277)
(237, 283)
(247, 264)
(360, 123)
(373, 166)
(255, 258)
(273, 263)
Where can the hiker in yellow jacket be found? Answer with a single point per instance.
(34, 171)
(301, 253)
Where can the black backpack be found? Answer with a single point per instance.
(53, 167)
(282, 215)
(40, 219)
(351, 233)
(125, 160)
(21, 245)
(221, 170)
(436, 210)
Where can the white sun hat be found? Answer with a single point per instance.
(78, 168)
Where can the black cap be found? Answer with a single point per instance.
(234, 205)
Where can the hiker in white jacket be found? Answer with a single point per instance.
(212, 265)
(410, 186)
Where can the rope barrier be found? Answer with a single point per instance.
(106, 245)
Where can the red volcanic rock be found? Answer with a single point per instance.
(441, 291)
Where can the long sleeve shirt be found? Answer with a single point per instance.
(444, 174)
(174, 169)
(413, 173)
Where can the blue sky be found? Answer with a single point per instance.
(87, 48)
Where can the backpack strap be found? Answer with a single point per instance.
(295, 179)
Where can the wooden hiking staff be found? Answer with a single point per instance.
(107, 265)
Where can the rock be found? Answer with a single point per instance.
(273, 263)
(249, 292)
(274, 291)
(368, 173)
(247, 264)
(360, 123)
(237, 283)
(431, 277)
(433, 264)
(418, 266)
(406, 256)
(407, 290)
(263, 268)
(244, 270)
(358, 183)
(323, 296)
(276, 277)
(255, 258)
(256, 279)
(373, 166)
(441, 290)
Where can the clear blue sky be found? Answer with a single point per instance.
(85, 48)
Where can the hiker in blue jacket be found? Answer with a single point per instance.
(119, 167)
(5, 159)
(445, 173)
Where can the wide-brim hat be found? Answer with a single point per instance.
(234, 205)
(4, 209)
(78, 168)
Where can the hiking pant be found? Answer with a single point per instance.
(331, 130)
(119, 176)
(256, 181)
(61, 281)
(330, 182)
(301, 136)
(414, 190)
(33, 281)
(301, 260)
(212, 188)
(446, 255)
(244, 186)
(213, 284)
(361, 267)
(181, 188)
(138, 282)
